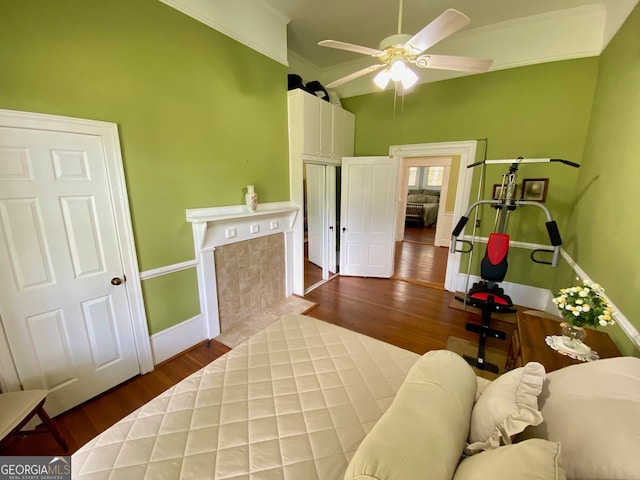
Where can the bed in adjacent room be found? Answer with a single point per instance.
(422, 206)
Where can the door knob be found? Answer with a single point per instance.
(118, 281)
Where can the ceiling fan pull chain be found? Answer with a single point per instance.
(395, 99)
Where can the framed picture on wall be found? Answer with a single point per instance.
(535, 189)
(497, 191)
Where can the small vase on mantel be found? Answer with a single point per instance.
(251, 198)
(572, 335)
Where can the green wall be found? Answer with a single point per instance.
(200, 116)
(539, 111)
(604, 228)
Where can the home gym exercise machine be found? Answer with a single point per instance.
(487, 294)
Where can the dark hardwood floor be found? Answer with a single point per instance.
(312, 273)
(411, 316)
(408, 315)
(425, 235)
(417, 260)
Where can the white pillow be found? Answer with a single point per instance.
(534, 459)
(506, 407)
(593, 409)
(423, 433)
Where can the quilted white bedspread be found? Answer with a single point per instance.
(292, 402)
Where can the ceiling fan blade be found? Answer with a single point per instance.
(350, 47)
(449, 22)
(354, 75)
(452, 62)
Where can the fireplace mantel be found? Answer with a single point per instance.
(213, 227)
(217, 226)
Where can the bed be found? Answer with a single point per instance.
(422, 206)
(294, 401)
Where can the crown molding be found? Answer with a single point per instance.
(253, 23)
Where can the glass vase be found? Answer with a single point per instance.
(572, 335)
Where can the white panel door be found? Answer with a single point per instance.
(69, 328)
(315, 184)
(368, 216)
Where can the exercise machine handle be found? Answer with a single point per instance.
(566, 162)
(465, 242)
(460, 226)
(542, 250)
(454, 237)
(554, 233)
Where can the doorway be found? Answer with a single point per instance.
(419, 257)
(459, 155)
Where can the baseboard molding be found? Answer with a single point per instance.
(177, 339)
(627, 327)
(532, 297)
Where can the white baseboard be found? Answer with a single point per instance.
(627, 327)
(532, 297)
(177, 339)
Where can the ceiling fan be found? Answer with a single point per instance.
(396, 52)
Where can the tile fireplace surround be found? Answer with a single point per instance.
(250, 277)
(244, 260)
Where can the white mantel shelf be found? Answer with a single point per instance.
(217, 226)
(239, 212)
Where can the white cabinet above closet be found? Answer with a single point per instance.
(318, 128)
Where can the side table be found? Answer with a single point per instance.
(528, 345)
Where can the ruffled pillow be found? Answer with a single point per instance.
(506, 408)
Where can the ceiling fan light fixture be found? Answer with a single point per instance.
(382, 78)
(409, 78)
(397, 70)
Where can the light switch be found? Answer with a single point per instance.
(230, 232)
(274, 225)
(255, 228)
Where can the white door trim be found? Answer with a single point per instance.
(467, 152)
(108, 132)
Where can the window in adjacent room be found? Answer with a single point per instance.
(434, 176)
(413, 177)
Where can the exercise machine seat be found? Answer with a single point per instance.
(489, 297)
(493, 268)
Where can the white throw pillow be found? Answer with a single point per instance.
(506, 407)
(423, 433)
(534, 459)
(593, 410)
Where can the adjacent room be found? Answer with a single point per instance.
(295, 239)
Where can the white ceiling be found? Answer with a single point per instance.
(367, 22)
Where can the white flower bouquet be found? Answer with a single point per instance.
(585, 305)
